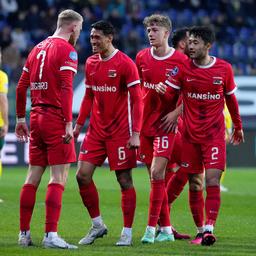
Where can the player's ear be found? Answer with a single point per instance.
(167, 33)
(110, 38)
(182, 44)
(208, 45)
(74, 28)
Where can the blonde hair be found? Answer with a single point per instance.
(67, 17)
(159, 20)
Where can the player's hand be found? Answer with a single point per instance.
(134, 141)
(169, 122)
(228, 138)
(69, 133)
(3, 130)
(21, 131)
(161, 88)
(77, 130)
(237, 137)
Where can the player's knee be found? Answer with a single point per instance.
(195, 185)
(83, 178)
(212, 181)
(126, 186)
(34, 180)
(157, 174)
(196, 182)
(125, 182)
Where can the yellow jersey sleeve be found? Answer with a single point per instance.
(3, 90)
(3, 82)
(228, 120)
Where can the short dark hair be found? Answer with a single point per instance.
(105, 26)
(178, 35)
(206, 33)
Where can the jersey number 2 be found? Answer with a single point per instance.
(43, 54)
(215, 152)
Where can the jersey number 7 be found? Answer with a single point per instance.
(43, 54)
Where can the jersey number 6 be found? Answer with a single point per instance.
(121, 153)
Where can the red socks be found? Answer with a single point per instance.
(196, 201)
(176, 185)
(168, 176)
(90, 198)
(164, 217)
(128, 204)
(27, 202)
(212, 204)
(53, 204)
(156, 199)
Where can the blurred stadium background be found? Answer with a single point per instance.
(24, 23)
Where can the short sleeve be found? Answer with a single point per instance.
(175, 78)
(26, 67)
(137, 62)
(69, 59)
(131, 73)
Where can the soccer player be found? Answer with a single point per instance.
(48, 73)
(177, 179)
(180, 40)
(206, 83)
(155, 64)
(113, 96)
(3, 110)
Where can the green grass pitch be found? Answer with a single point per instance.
(235, 229)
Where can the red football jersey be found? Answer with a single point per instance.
(44, 63)
(152, 70)
(203, 90)
(108, 81)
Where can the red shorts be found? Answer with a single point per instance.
(197, 157)
(155, 146)
(176, 152)
(95, 151)
(46, 146)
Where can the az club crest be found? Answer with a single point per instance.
(112, 73)
(217, 80)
